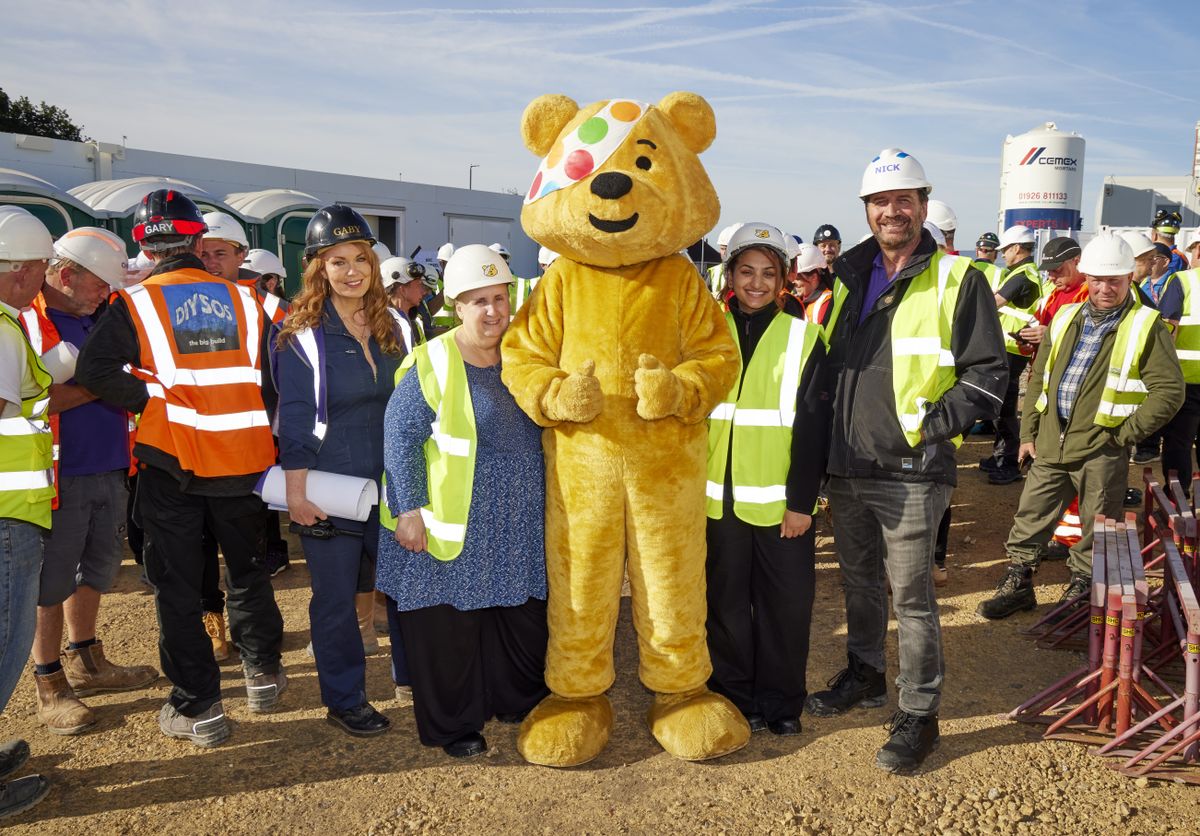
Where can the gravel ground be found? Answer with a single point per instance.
(292, 772)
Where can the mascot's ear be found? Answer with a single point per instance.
(543, 121)
(692, 117)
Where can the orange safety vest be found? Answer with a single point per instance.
(199, 338)
(815, 310)
(275, 307)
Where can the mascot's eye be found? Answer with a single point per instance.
(643, 163)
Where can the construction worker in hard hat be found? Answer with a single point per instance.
(1180, 435)
(1164, 228)
(809, 284)
(907, 389)
(762, 488)
(26, 474)
(546, 257)
(407, 286)
(715, 275)
(336, 360)
(987, 247)
(1017, 290)
(83, 549)
(271, 272)
(1105, 377)
(224, 254)
(464, 562)
(186, 350)
(829, 241)
(942, 216)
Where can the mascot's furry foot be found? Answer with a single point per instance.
(697, 725)
(566, 732)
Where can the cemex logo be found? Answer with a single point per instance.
(1034, 157)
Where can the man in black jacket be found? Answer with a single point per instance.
(916, 346)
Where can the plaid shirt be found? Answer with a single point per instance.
(1094, 331)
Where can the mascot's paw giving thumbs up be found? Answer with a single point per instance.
(621, 354)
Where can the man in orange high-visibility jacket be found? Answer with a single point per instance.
(185, 349)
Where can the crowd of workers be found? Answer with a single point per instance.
(142, 400)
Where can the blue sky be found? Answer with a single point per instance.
(805, 93)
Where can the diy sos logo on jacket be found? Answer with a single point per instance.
(1034, 157)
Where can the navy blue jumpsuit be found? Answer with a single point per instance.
(344, 565)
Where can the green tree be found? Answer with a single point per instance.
(24, 117)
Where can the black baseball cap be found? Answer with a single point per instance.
(1058, 251)
(1162, 249)
(826, 232)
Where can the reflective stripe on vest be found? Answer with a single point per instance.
(205, 407)
(450, 448)
(812, 310)
(314, 352)
(923, 364)
(1124, 390)
(1013, 318)
(26, 446)
(1187, 335)
(757, 421)
(524, 288)
(406, 329)
(43, 337)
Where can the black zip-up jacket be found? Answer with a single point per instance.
(866, 440)
(810, 430)
(113, 343)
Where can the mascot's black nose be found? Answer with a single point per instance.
(611, 185)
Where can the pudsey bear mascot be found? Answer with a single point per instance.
(621, 354)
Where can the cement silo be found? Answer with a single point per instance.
(1041, 179)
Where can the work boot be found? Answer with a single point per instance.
(89, 672)
(364, 609)
(13, 754)
(264, 690)
(1005, 474)
(214, 625)
(210, 728)
(989, 465)
(941, 576)
(19, 795)
(857, 684)
(1015, 593)
(59, 710)
(911, 739)
(1077, 590)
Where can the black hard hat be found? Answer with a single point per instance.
(988, 240)
(166, 216)
(332, 225)
(1167, 222)
(826, 232)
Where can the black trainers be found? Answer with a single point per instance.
(19, 795)
(1015, 593)
(1005, 474)
(911, 740)
(1077, 590)
(1144, 455)
(857, 684)
(989, 465)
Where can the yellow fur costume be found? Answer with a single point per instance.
(622, 353)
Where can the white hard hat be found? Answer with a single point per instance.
(546, 256)
(23, 237)
(139, 267)
(1017, 235)
(942, 216)
(756, 234)
(893, 169)
(396, 271)
(809, 258)
(474, 266)
(381, 251)
(1138, 243)
(939, 237)
(1107, 254)
(499, 249)
(445, 251)
(726, 234)
(792, 245)
(225, 227)
(96, 250)
(265, 263)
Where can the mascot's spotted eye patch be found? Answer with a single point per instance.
(586, 148)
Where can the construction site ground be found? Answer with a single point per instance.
(292, 772)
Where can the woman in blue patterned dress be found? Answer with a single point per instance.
(464, 568)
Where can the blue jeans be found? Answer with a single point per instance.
(885, 532)
(20, 570)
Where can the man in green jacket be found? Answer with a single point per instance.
(1106, 376)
